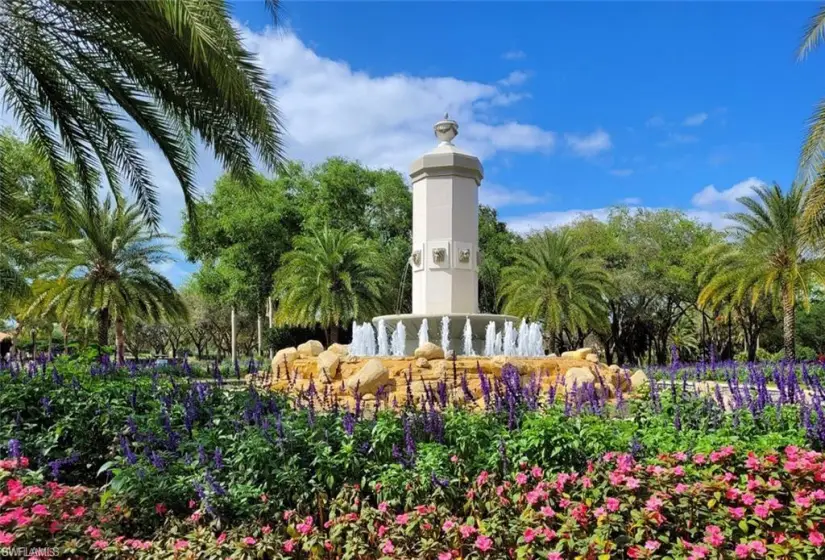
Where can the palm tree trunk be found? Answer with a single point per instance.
(120, 340)
(333, 334)
(788, 323)
(64, 326)
(103, 323)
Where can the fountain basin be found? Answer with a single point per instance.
(478, 322)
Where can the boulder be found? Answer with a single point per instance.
(618, 378)
(429, 351)
(328, 365)
(578, 376)
(613, 368)
(552, 355)
(592, 358)
(422, 363)
(579, 354)
(638, 379)
(369, 378)
(284, 358)
(340, 349)
(310, 349)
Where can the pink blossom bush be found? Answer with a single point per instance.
(714, 506)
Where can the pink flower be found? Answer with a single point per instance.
(748, 499)
(382, 507)
(736, 512)
(454, 459)
(6, 538)
(266, 529)
(714, 536)
(402, 519)
(448, 524)
(482, 478)
(758, 547)
(816, 538)
(484, 543)
(586, 482)
(547, 511)
(613, 504)
(762, 511)
(382, 530)
(652, 546)
(678, 471)
(699, 459)
(388, 548)
(248, 541)
(537, 472)
(521, 479)
(555, 556)
(680, 488)
(181, 544)
(742, 551)
(101, 544)
(529, 534)
(306, 526)
(221, 538)
(289, 546)
(40, 509)
(444, 556)
(653, 504)
(466, 531)
(631, 483)
(160, 509)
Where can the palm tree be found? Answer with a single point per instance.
(812, 160)
(72, 70)
(105, 267)
(771, 258)
(331, 277)
(554, 282)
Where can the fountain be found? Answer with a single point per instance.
(490, 339)
(445, 334)
(509, 347)
(383, 342)
(468, 338)
(399, 340)
(445, 253)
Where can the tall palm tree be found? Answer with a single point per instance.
(72, 70)
(104, 266)
(812, 160)
(554, 282)
(772, 257)
(331, 277)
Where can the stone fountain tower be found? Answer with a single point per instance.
(445, 255)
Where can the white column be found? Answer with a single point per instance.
(445, 185)
(269, 315)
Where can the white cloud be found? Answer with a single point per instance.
(677, 138)
(498, 196)
(655, 121)
(515, 78)
(709, 206)
(695, 120)
(621, 172)
(589, 144)
(710, 195)
(514, 55)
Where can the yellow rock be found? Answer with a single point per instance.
(369, 378)
(310, 349)
(284, 359)
(328, 363)
(429, 351)
(340, 349)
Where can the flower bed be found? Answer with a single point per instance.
(716, 505)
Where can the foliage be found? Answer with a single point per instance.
(330, 278)
(104, 266)
(74, 70)
(773, 258)
(552, 281)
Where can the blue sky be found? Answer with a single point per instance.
(572, 107)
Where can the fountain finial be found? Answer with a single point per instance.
(446, 129)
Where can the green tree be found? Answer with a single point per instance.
(552, 281)
(73, 70)
(773, 257)
(498, 247)
(330, 278)
(104, 266)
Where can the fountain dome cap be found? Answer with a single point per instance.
(446, 159)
